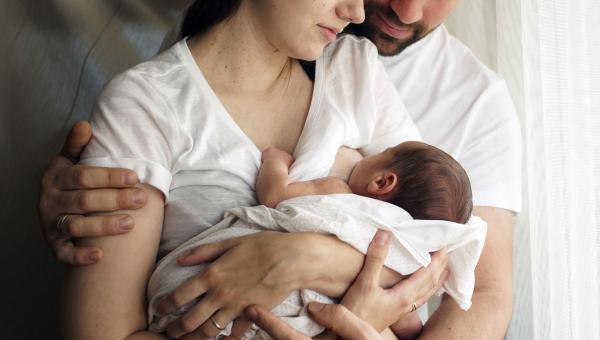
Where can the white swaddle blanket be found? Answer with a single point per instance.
(353, 219)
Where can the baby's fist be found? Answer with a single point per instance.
(272, 153)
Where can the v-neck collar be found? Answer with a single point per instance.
(313, 112)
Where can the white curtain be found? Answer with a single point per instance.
(549, 53)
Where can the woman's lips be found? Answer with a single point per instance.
(329, 33)
(393, 30)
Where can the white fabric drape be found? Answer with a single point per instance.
(549, 53)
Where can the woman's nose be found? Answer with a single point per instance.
(408, 11)
(352, 10)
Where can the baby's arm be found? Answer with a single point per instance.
(273, 184)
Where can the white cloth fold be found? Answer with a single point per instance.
(354, 220)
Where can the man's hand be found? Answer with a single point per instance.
(71, 191)
(382, 307)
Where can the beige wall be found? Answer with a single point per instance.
(473, 22)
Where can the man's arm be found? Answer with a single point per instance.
(490, 314)
(76, 191)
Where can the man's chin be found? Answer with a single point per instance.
(388, 46)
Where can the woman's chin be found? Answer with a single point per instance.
(311, 53)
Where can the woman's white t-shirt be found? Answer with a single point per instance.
(162, 119)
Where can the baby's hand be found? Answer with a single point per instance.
(272, 153)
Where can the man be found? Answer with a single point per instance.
(457, 103)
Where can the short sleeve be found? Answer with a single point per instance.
(134, 128)
(361, 92)
(492, 153)
(393, 124)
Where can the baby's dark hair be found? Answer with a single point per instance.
(431, 184)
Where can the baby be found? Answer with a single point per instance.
(419, 178)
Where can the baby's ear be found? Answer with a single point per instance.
(383, 184)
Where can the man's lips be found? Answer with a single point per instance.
(329, 32)
(393, 30)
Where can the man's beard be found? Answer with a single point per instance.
(387, 45)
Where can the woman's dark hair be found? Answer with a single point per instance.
(204, 14)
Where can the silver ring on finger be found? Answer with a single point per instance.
(61, 222)
(216, 324)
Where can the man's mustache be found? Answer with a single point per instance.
(396, 22)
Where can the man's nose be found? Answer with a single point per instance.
(408, 11)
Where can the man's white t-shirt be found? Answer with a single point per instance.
(163, 120)
(463, 108)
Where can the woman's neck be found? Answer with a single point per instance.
(235, 56)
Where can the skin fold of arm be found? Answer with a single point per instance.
(107, 300)
(490, 314)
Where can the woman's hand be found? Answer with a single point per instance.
(255, 269)
(364, 296)
(264, 268)
(336, 318)
(382, 307)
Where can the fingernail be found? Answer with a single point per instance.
(126, 223)
(131, 178)
(139, 197)
(95, 256)
(382, 238)
(252, 314)
(315, 306)
(183, 256)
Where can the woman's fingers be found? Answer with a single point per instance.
(342, 322)
(423, 283)
(206, 252)
(193, 318)
(221, 318)
(184, 294)
(275, 327)
(240, 327)
(376, 255)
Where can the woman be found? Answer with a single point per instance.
(192, 123)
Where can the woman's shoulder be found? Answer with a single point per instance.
(167, 70)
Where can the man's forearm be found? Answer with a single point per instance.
(491, 308)
(488, 318)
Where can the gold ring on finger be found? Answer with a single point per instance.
(216, 324)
